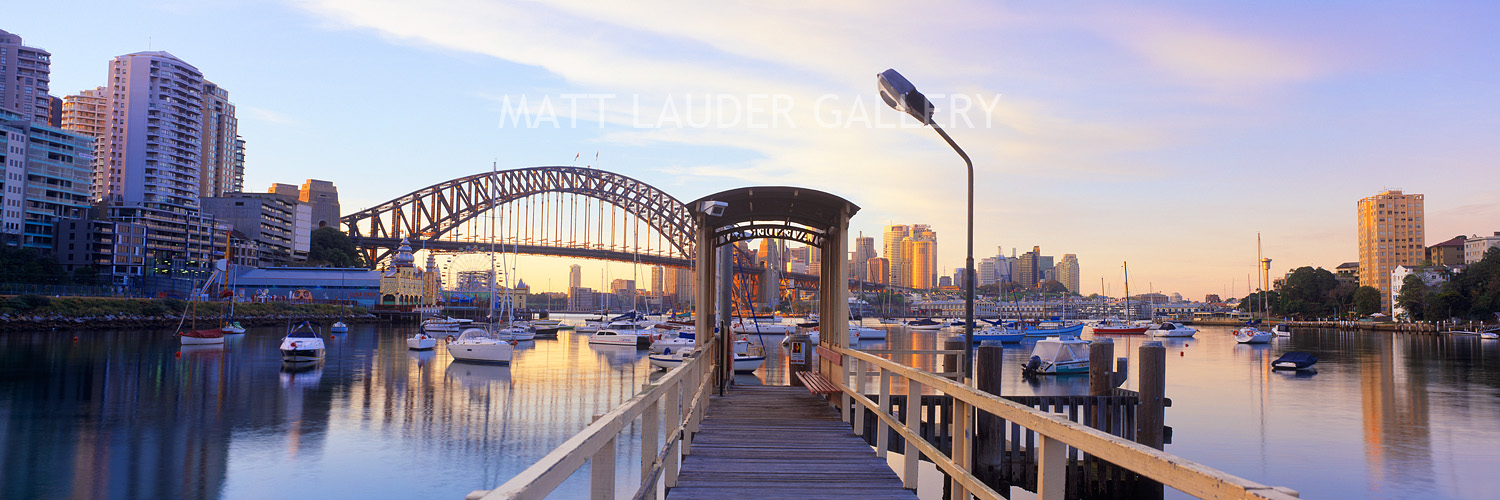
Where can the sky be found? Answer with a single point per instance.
(1163, 134)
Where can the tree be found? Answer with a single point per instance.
(1413, 297)
(1307, 292)
(990, 289)
(334, 248)
(1053, 286)
(1366, 300)
(30, 266)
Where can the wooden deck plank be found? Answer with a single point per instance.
(781, 442)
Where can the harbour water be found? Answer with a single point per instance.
(133, 415)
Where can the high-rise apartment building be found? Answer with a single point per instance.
(899, 274)
(924, 232)
(1067, 272)
(878, 270)
(575, 276)
(922, 259)
(1029, 268)
(24, 76)
(1391, 233)
(223, 152)
(864, 250)
(1476, 246)
(43, 177)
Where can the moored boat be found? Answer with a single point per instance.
(302, 344)
(233, 327)
(1282, 330)
(925, 324)
(1058, 356)
(338, 327)
(421, 341)
(1116, 327)
(1253, 335)
(1295, 360)
(479, 345)
(1171, 329)
(200, 337)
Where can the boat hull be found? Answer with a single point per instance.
(497, 353)
(201, 337)
(1054, 332)
(338, 327)
(421, 343)
(1118, 330)
(1004, 338)
(301, 355)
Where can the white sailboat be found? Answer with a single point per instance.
(484, 345)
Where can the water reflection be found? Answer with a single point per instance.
(131, 414)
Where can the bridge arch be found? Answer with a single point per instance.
(430, 213)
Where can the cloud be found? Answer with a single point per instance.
(266, 115)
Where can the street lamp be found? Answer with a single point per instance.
(901, 95)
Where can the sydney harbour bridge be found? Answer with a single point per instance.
(571, 212)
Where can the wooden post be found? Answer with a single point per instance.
(859, 388)
(962, 449)
(951, 362)
(650, 428)
(1101, 356)
(602, 470)
(1052, 468)
(989, 439)
(883, 430)
(1153, 386)
(914, 426)
(844, 371)
(673, 419)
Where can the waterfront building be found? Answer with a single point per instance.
(222, 155)
(864, 250)
(1347, 272)
(358, 285)
(1068, 274)
(44, 176)
(25, 73)
(1447, 253)
(878, 270)
(1391, 233)
(1430, 275)
(266, 219)
(1476, 246)
(115, 250)
(899, 274)
(322, 199)
(403, 284)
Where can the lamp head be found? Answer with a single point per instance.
(712, 208)
(901, 95)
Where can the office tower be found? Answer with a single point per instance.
(895, 255)
(323, 199)
(223, 152)
(924, 232)
(921, 256)
(1391, 234)
(575, 286)
(267, 219)
(44, 176)
(878, 270)
(864, 250)
(1067, 272)
(679, 286)
(24, 75)
(1028, 268)
(984, 272)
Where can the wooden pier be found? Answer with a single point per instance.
(781, 442)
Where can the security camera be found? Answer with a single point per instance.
(712, 208)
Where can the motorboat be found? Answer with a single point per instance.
(201, 337)
(1171, 329)
(480, 345)
(1489, 335)
(546, 323)
(514, 332)
(1058, 356)
(926, 324)
(1000, 333)
(814, 334)
(1295, 360)
(672, 342)
(1282, 330)
(302, 344)
(444, 325)
(233, 327)
(610, 336)
(1117, 327)
(889, 321)
(760, 326)
(1253, 335)
(421, 341)
(338, 327)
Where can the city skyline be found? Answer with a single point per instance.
(1290, 113)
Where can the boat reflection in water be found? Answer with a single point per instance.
(478, 375)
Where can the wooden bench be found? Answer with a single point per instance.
(816, 383)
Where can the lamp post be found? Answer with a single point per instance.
(901, 95)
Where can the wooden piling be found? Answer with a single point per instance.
(989, 439)
(1101, 358)
(1153, 388)
(951, 361)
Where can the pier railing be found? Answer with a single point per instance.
(1055, 432)
(677, 401)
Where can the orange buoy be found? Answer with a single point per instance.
(179, 354)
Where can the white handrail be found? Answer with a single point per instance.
(597, 440)
(1055, 430)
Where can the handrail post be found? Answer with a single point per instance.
(913, 426)
(674, 417)
(962, 447)
(844, 402)
(859, 388)
(650, 427)
(883, 430)
(1052, 468)
(602, 470)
